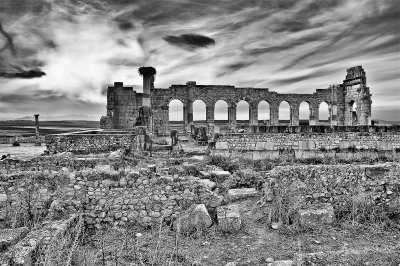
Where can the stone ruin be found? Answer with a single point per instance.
(127, 108)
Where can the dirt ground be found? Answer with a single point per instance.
(24, 151)
(256, 243)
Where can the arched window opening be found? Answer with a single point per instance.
(264, 113)
(199, 111)
(304, 113)
(284, 113)
(323, 113)
(175, 115)
(353, 113)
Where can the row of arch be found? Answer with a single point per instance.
(243, 111)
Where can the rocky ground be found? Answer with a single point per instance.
(240, 232)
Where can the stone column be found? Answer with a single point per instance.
(37, 140)
(274, 115)
(185, 118)
(333, 114)
(232, 116)
(210, 119)
(253, 115)
(191, 85)
(314, 115)
(294, 114)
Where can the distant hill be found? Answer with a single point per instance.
(71, 117)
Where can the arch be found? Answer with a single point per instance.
(304, 113)
(323, 113)
(284, 112)
(353, 112)
(264, 112)
(199, 110)
(242, 110)
(221, 110)
(175, 112)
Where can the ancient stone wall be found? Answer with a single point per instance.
(109, 197)
(339, 185)
(122, 103)
(85, 143)
(122, 107)
(51, 163)
(11, 139)
(310, 141)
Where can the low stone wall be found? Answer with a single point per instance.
(50, 163)
(381, 141)
(10, 139)
(107, 196)
(86, 142)
(336, 184)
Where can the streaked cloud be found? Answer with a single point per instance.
(285, 45)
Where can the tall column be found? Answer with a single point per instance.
(232, 116)
(253, 115)
(274, 115)
(148, 74)
(294, 114)
(185, 118)
(333, 114)
(314, 115)
(37, 140)
(210, 118)
(191, 85)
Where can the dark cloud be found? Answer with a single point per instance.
(23, 74)
(125, 25)
(191, 41)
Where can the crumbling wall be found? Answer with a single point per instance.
(11, 139)
(107, 196)
(50, 163)
(380, 141)
(89, 143)
(338, 98)
(337, 184)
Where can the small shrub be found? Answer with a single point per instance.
(16, 144)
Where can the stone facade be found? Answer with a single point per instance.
(123, 103)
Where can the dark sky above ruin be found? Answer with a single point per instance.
(289, 46)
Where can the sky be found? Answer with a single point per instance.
(57, 56)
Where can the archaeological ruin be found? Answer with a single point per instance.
(349, 103)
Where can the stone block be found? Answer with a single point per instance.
(317, 215)
(196, 218)
(205, 174)
(241, 193)
(221, 145)
(229, 219)
(221, 175)
(208, 183)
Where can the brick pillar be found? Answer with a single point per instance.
(191, 86)
(253, 116)
(294, 114)
(210, 118)
(37, 140)
(314, 115)
(185, 118)
(333, 114)
(232, 116)
(274, 115)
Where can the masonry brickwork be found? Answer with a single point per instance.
(349, 103)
